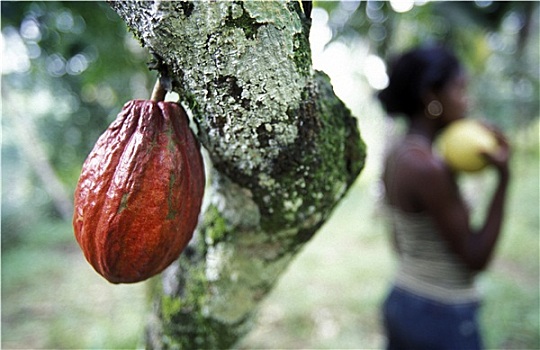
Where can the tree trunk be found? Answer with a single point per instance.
(283, 149)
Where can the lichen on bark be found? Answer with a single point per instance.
(283, 151)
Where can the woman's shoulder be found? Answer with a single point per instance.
(413, 171)
(416, 152)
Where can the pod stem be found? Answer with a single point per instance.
(159, 92)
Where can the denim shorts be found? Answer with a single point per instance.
(417, 323)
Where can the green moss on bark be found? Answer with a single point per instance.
(215, 226)
(311, 175)
(238, 18)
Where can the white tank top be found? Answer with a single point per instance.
(426, 265)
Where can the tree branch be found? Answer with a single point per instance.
(284, 149)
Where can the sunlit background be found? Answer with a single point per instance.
(67, 69)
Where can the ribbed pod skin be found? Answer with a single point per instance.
(139, 195)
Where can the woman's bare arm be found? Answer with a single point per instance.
(440, 197)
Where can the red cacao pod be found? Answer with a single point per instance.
(139, 195)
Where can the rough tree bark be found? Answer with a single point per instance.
(284, 150)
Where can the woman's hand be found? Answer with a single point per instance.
(500, 158)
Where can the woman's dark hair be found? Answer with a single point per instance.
(413, 74)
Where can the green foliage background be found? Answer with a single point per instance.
(67, 69)
(497, 41)
(81, 67)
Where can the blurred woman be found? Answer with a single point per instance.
(433, 303)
